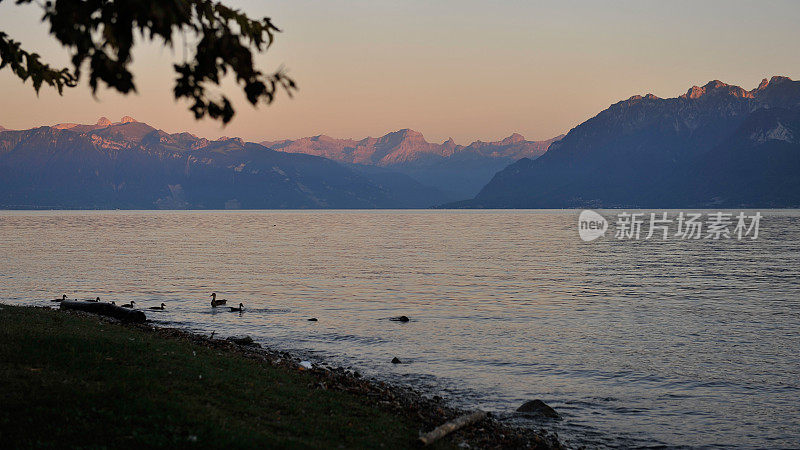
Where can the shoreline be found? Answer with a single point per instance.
(402, 401)
(405, 400)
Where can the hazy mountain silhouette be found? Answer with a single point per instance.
(130, 164)
(715, 146)
(460, 170)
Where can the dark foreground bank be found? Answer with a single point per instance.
(74, 379)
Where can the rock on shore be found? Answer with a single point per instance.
(538, 408)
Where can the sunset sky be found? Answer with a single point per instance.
(461, 68)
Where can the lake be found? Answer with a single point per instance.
(635, 342)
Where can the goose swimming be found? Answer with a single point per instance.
(95, 300)
(158, 307)
(128, 305)
(63, 297)
(239, 309)
(215, 302)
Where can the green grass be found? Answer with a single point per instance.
(72, 381)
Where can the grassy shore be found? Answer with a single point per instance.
(77, 381)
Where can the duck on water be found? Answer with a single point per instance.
(215, 302)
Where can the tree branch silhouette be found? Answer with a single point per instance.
(100, 35)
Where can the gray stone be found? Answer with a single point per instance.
(538, 408)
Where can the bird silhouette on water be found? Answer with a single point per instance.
(215, 302)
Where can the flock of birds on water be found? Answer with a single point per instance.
(214, 303)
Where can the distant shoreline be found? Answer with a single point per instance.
(432, 209)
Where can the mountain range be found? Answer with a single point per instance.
(130, 164)
(714, 146)
(458, 170)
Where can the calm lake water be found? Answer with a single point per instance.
(635, 343)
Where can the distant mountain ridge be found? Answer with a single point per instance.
(717, 145)
(130, 164)
(406, 146)
(462, 170)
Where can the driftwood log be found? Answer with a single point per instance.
(105, 309)
(453, 425)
